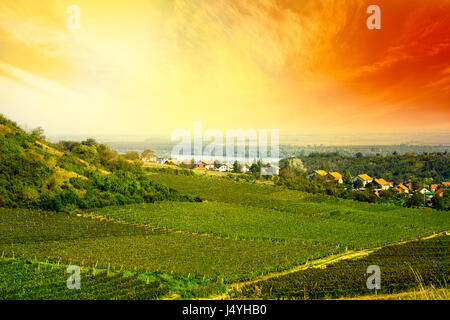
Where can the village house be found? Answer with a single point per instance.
(161, 160)
(275, 169)
(210, 165)
(427, 193)
(382, 184)
(246, 168)
(206, 164)
(446, 184)
(364, 178)
(401, 188)
(423, 190)
(149, 159)
(225, 168)
(320, 173)
(270, 170)
(335, 176)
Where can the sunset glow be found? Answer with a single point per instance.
(149, 67)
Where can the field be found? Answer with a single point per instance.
(30, 279)
(351, 228)
(287, 209)
(403, 267)
(89, 242)
(241, 231)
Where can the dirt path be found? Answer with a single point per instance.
(319, 263)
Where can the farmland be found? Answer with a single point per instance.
(28, 279)
(240, 231)
(271, 196)
(318, 208)
(343, 228)
(403, 267)
(104, 243)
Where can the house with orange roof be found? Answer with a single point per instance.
(423, 190)
(335, 176)
(318, 173)
(446, 184)
(206, 164)
(401, 188)
(381, 184)
(434, 187)
(364, 178)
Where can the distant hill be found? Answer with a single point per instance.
(36, 173)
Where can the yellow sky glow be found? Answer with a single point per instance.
(150, 67)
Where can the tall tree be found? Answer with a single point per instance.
(347, 177)
(237, 167)
(132, 155)
(148, 153)
(38, 133)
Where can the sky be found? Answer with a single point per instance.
(146, 68)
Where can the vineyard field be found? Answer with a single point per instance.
(403, 267)
(247, 222)
(144, 249)
(34, 280)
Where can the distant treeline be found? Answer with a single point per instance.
(366, 150)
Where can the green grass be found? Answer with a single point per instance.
(403, 268)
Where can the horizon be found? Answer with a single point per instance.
(423, 139)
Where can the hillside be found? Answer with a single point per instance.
(37, 174)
